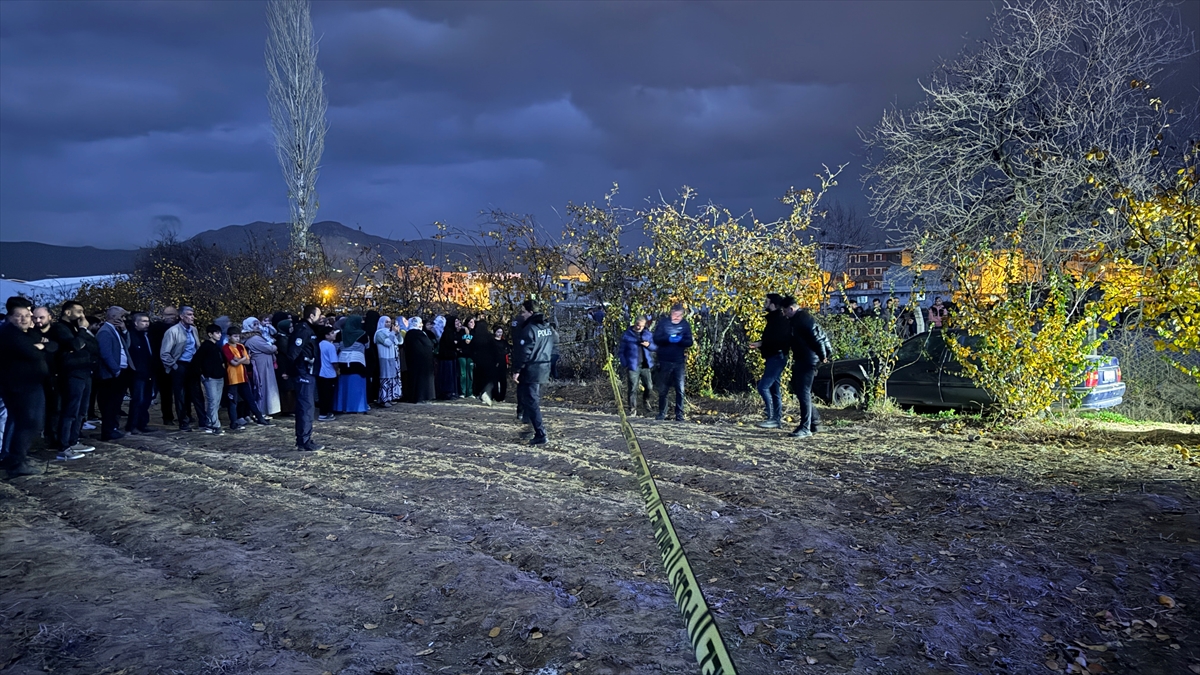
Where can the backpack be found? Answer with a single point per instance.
(823, 341)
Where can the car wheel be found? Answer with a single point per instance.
(847, 393)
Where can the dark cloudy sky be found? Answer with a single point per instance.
(112, 113)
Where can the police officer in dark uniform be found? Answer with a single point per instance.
(305, 355)
(533, 344)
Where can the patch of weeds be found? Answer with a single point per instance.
(1106, 416)
(56, 642)
(225, 665)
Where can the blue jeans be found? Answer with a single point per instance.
(768, 386)
(141, 391)
(213, 388)
(670, 376)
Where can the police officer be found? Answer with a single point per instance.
(533, 346)
(305, 355)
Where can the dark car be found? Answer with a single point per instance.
(927, 374)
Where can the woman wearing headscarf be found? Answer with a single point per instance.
(352, 377)
(447, 354)
(465, 344)
(370, 321)
(418, 353)
(491, 366)
(262, 364)
(438, 326)
(283, 333)
(388, 339)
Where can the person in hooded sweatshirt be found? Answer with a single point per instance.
(418, 354)
(447, 354)
(534, 343)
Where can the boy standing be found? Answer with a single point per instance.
(212, 377)
(236, 386)
(327, 377)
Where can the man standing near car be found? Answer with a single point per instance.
(774, 345)
(533, 344)
(304, 353)
(807, 352)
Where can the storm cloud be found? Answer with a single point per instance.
(115, 113)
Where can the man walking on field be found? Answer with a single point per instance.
(533, 344)
(807, 351)
(775, 343)
(637, 357)
(673, 337)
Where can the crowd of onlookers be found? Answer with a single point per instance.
(909, 319)
(62, 376)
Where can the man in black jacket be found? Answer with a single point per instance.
(22, 372)
(78, 356)
(304, 355)
(807, 352)
(162, 378)
(43, 324)
(533, 344)
(141, 388)
(673, 337)
(774, 345)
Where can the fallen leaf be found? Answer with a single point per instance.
(389, 596)
(259, 626)
(418, 621)
(424, 652)
(810, 660)
(639, 573)
(1052, 664)
(824, 636)
(324, 647)
(810, 550)
(536, 635)
(1094, 648)
(747, 627)
(1046, 637)
(494, 632)
(1166, 601)
(331, 537)
(370, 626)
(1162, 637)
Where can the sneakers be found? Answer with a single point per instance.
(311, 447)
(238, 427)
(25, 469)
(68, 455)
(800, 433)
(323, 418)
(538, 440)
(218, 431)
(185, 427)
(768, 424)
(79, 447)
(487, 400)
(88, 426)
(112, 436)
(264, 422)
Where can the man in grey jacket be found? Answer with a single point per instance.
(178, 354)
(533, 344)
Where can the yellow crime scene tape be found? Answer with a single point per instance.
(702, 629)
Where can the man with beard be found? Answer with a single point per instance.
(162, 378)
(22, 369)
(807, 351)
(774, 344)
(78, 354)
(534, 343)
(42, 324)
(141, 385)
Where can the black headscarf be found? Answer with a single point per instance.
(447, 349)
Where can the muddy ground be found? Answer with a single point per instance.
(431, 539)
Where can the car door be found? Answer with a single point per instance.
(958, 390)
(914, 380)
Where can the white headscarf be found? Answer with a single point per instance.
(439, 325)
(414, 323)
(381, 324)
(251, 325)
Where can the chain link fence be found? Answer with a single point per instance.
(1155, 389)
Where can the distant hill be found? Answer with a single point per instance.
(31, 260)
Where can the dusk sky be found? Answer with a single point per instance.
(113, 113)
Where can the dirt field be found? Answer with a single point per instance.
(430, 539)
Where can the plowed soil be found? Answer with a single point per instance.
(432, 539)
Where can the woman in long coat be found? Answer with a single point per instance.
(491, 366)
(262, 362)
(447, 358)
(418, 353)
(388, 339)
(370, 321)
(352, 376)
